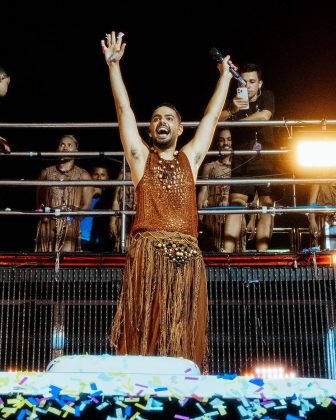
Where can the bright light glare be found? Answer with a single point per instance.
(277, 372)
(316, 153)
(333, 259)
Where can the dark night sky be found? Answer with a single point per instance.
(59, 74)
(52, 51)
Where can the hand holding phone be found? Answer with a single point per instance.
(242, 94)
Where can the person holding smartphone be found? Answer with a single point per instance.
(258, 105)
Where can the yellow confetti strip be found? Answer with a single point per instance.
(30, 405)
(326, 402)
(8, 411)
(12, 401)
(129, 388)
(222, 410)
(82, 387)
(261, 410)
(122, 404)
(176, 394)
(135, 415)
(140, 406)
(54, 411)
(156, 380)
(69, 409)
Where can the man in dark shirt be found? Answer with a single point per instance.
(260, 106)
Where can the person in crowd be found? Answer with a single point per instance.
(62, 234)
(4, 85)
(95, 229)
(321, 195)
(258, 107)
(163, 304)
(117, 204)
(218, 196)
(5, 199)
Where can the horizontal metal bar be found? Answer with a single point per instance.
(216, 210)
(217, 181)
(275, 123)
(34, 154)
(264, 181)
(270, 210)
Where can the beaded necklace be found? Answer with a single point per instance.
(64, 171)
(169, 173)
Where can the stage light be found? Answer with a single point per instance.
(273, 372)
(315, 149)
(333, 260)
(316, 154)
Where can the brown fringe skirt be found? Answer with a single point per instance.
(163, 307)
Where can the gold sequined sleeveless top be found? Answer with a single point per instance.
(166, 196)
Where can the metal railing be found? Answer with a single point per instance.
(288, 124)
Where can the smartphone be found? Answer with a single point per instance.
(243, 94)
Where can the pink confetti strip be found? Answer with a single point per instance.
(142, 386)
(196, 397)
(23, 380)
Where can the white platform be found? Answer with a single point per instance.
(161, 376)
(75, 391)
(124, 364)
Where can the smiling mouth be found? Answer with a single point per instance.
(226, 148)
(162, 131)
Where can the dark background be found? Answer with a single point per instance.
(58, 73)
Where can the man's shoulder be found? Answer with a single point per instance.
(209, 165)
(48, 170)
(83, 172)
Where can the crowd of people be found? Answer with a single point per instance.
(216, 232)
(92, 233)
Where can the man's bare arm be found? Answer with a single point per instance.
(135, 149)
(197, 148)
(312, 198)
(202, 197)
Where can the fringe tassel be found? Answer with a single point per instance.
(163, 304)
